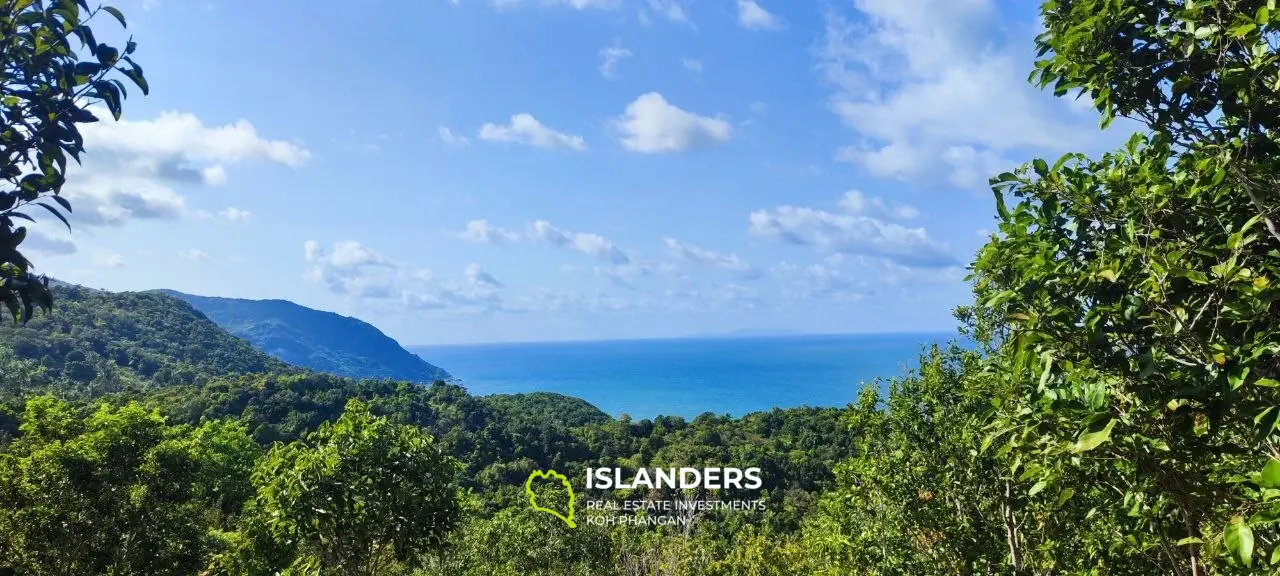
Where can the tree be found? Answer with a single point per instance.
(359, 496)
(116, 492)
(1139, 291)
(46, 91)
(918, 498)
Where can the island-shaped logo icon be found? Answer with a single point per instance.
(533, 498)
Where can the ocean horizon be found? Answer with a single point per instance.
(688, 376)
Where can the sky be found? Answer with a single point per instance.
(458, 171)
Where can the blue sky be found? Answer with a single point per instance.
(503, 170)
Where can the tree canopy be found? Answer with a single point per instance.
(53, 71)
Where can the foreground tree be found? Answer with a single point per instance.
(46, 90)
(1139, 290)
(918, 498)
(117, 492)
(359, 496)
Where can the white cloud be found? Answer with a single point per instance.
(670, 9)
(351, 254)
(450, 138)
(478, 277)
(935, 90)
(694, 253)
(861, 229)
(108, 260)
(651, 125)
(855, 202)
(609, 58)
(233, 214)
(132, 167)
(480, 232)
(214, 175)
(692, 64)
(353, 270)
(575, 4)
(196, 255)
(753, 17)
(590, 244)
(541, 231)
(525, 129)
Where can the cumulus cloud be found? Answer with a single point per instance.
(451, 139)
(856, 202)
(541, 231)
(477, 276)
(863, 227)
(753, 17)
(609, 58)
(584, 242)
(694, 253)
(481, 232)
(132, 167)
(233, 214)
(652, 125)
(353, 270)
(935, 90)
(525, 129)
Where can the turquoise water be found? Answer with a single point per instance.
(686, 377)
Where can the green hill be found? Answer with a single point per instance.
(96, 342)
(546, 409)
(321, 341)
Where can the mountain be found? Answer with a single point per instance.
(315, 339)
(97, 342)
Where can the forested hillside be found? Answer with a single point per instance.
(315, 339)
(96, 342)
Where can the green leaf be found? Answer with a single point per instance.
(116, 12)
(1270, 476)
(107, 55)
(55, 212)
(1090, 440)
(1190, 540)
(135, 74)
(1041, 485)
(1266, 383)
(1206, 31)
(1267, 422)
(1243, 30)
(1239, 540)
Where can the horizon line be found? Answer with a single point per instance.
(725, 336)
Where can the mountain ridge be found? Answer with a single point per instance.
(316, 339)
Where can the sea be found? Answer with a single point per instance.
(689, 376)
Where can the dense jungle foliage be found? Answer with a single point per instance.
(1120, 416)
